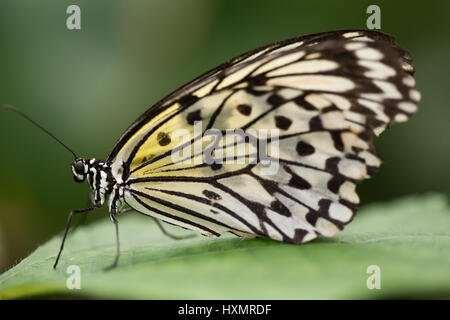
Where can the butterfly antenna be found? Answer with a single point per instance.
(12, 108)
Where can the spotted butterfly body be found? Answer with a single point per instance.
(327, 96)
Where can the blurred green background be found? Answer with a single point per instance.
(88, 85)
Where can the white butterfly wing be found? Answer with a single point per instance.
(327, 96)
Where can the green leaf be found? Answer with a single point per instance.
(408, 239)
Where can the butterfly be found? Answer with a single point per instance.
(306, 109)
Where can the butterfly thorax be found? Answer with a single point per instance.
(99, 177)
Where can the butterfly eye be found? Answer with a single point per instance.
(79, 167)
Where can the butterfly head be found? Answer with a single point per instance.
(80, 169)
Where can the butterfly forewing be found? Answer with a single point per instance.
(323, 98)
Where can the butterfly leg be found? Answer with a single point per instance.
(69, 220)
(159, 224)
(161, 227)
(116, 259)
(83, 218)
